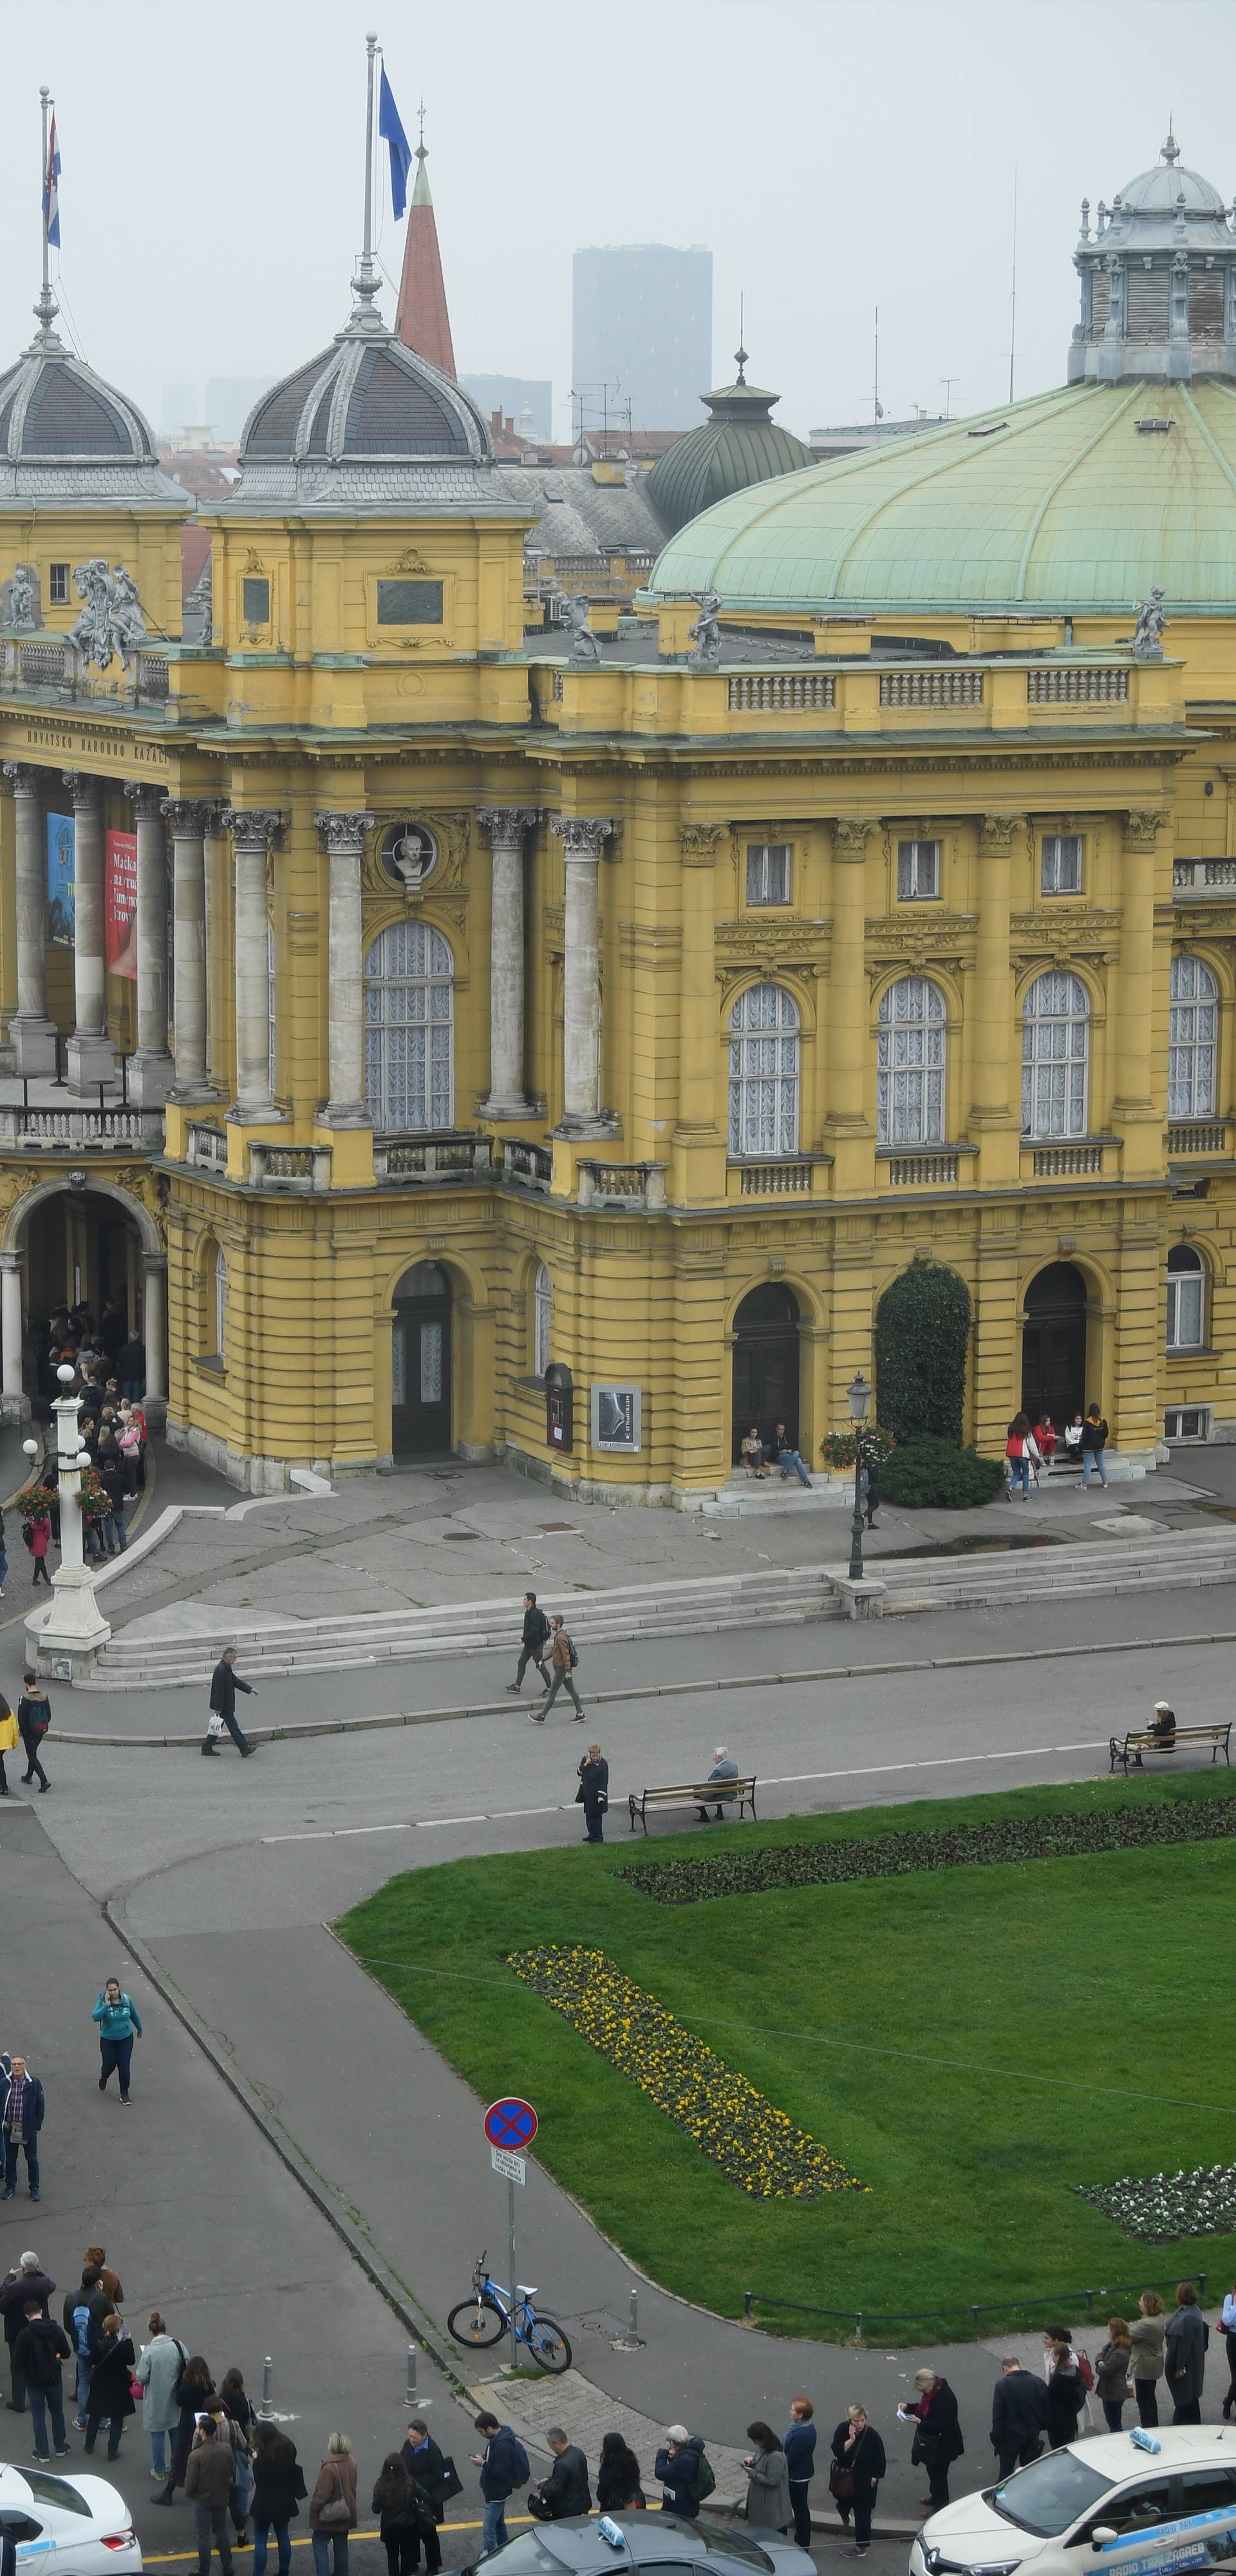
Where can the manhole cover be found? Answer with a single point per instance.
(568, 1526)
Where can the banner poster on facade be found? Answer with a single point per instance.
(120, 903)
(60, 879)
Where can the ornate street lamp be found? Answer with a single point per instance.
(859, 1394)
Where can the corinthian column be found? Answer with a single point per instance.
(847, 1125)
(252, 834)
(189, 817)
(1133, 1108)
(697, 1040)
(150, 1073)
(32, 1033)
(581, 839)
(505, 826)
(91, 1058)
(344, 838)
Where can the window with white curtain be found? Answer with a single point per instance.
(1193, 1040)
(1061, 863)
(918, 871)
(768, 872)
(910, 1045)
(1055, 1056)
(764, 1072)
(409, 1029)
(542, 1312)
(1186, 1298)
(220, 1308)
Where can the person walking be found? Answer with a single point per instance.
(81, 2326)
(242, 2419)
(566, 2489)
(618, 2480)
(677, 2465)
(332, 2507)
(1227, 2328)
(278, 2486)
(426, 2466)
(1018, 2416)
(40, 2349)
(503, 2465)
(937, 2442)
(225, 1681)
(159, 2365)
(10, 1737)
(1113, 2364)
(394, 2502)
(724, 1771)
(869, 1489)
(119, 2025)
(532, 1648)
(593, 1792)
(1146, 2336)
(25, 2282)
(22, 2110)
(1184, 2356)
(1021, 1453)
(788, 1457)
(110, 2396)
(33, 1720)
(799, 2449)
(858, 2466)
(564, 1659)
(1093, 1444)
(768, 2481)
(194, 2394)
(1066, 2396)
(37, 1534)
(209, 2470)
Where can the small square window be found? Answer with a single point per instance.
(409, 603)
(58, 585)
(768, 872)
(1062, 863)
(255, 602)
(918, 871)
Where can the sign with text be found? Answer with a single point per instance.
(120, 903)
(61, 892)
(512, 2168)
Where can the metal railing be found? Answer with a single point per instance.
(1056, 2303)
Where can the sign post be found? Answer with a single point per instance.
(510, 2123)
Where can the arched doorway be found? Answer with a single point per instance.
(766, 1363)
(96, 1248)
(1053, 1344)
(421, 1364)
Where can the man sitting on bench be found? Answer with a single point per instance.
(1162, 1725)
(723, 1768)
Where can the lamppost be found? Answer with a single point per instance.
(72, 1626)
(860, 1397)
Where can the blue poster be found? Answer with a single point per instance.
(60, 878)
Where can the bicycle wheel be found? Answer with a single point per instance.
(548, 2344)
(476, 2321)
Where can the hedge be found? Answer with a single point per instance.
(927, 1474)
(922, 1330)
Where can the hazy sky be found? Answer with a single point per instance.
(834, 154)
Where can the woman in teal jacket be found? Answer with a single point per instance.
(119, 2025)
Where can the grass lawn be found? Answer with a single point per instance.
(971, 2043)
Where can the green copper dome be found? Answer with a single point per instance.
(737, 445)
(1074, 500)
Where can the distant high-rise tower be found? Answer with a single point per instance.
(643, 323)
(421, 318)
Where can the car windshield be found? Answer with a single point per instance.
(57, 2492)
(1050, 2494)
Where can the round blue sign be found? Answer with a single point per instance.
(510, 2122)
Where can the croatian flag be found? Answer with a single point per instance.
(51, 188)
(390, 127)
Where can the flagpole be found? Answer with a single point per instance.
(44, 95)
(371, 47)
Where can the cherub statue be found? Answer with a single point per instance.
(19, 600)
(706, 633)
(92, 632)
(1147, 637)
(584, 644)
(127, 625)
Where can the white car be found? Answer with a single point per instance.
(1137, 2504)
(77, 2526)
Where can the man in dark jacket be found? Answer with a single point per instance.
(503, 2465)
(566, 2489)
(532, 1651)
(799, 2449)
(1018, 2416)
(1184, 2356)
(26, 2282)
(38, 2352)
(131, 1368)
(678, 2468)
(225, 1681)
(21, 2118)
(426, 2467)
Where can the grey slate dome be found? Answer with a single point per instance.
(736, 446)
(67, 437)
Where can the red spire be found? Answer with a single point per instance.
(421, 318)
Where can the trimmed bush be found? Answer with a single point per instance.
(935, 1474)
(922, 1329)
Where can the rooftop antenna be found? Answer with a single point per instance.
(875, 388)
(948, 383)
(47, 308)
(740, 352)
(1013, 294)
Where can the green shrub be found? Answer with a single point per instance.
(922, 1328)
(837, 1447)
(935, 1474)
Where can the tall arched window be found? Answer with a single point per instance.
(409, 1029)
(910, 1063)
(1193, 1042)
(220, 1304)
(1186, 1298)
(542, 1313)
(1055, 1056)
(764, 1072)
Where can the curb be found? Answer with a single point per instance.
(311, 1727)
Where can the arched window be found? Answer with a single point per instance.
(910, 1063)
(764, 1072)
(1193, 1043)
(1186, 1298)
(409, 1029)
(219, 1286)
(1055, 1056)
(542, 1312)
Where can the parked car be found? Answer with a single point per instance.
(1134, 2504)
(578, 2546)
(67, 2526)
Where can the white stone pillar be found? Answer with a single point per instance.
(150, 1073)
(252, 833)
(71, 1626)
(189, 817)
(505, 826)
(581, 838)
(91, 1056)
(32, 1034)
(154, 1325)
(344, 837)
(11, 1329)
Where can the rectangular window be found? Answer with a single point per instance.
(58, 585)
(431, 1364)
(1187, 1422)
(1184, 1312)
(1062, 863)
(409, 603)
(918, 871)
(768, 872)
(255, 601)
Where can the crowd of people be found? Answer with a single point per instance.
(1031, 1447)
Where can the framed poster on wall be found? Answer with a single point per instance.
(120, 903)
(617, 1417)
(61, 869)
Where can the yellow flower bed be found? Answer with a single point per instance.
(730, 2122)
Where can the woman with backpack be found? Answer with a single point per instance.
(564, 1659)
(278, 2483)
(159, 2365)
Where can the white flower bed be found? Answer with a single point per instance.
(1163, 2206)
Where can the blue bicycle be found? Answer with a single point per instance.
(486, 2317)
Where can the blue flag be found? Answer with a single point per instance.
(390, 127)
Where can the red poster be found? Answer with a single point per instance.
(121, 903)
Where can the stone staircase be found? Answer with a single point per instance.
(1179, 1562)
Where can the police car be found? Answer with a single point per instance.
(67, 2526)
(1135, 2504)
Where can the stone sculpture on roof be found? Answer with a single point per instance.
(584, 644)
(111, 620)
(1147, 637)
(706, 633)
(20, 608)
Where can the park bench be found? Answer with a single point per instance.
(734, 1796)
(1140, 1740)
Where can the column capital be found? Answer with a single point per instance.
(85, 788)
(1142, 826)
(581, 835)
(144, 796)
(154, 1261)
(190, 815)
(996, 834)
(850, 837)
(345, 833)
(507, 824)
(11, 1260)
(697, 843)
(25, 777)
(253, 827)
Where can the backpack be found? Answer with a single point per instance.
(83, 2337)
(571, 1652)
(522, 2466)
(1086, 2368)
(705, 2479)
(27, 1532)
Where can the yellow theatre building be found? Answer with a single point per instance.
(553, 1051)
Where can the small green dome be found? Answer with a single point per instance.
(737, 445)
(1073, 500)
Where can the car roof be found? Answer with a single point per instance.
(574, 2540)
(1181, 2446)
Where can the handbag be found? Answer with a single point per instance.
(334, 2514)
(452, 2483)
(841, 2482)
(923, 2449)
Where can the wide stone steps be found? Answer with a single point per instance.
(1170, 1563)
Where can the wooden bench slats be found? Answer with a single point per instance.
(1141, 1739)
(738, 1794)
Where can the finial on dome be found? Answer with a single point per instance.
(1085, 218)
(1170, 151)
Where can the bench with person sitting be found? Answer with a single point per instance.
(1163, 1736)
(723, 1791)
